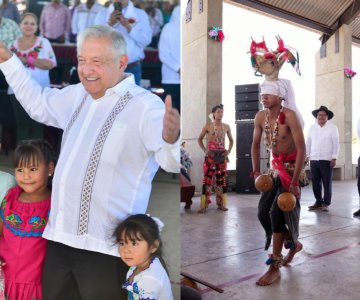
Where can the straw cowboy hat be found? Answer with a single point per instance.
(325, 109)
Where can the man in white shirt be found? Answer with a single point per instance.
(84, 16)
(322, 149)
(156, 20)
(116, 135)
(169, 54)
(134, 25)
(357, 213)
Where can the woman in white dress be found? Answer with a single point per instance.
(38, 56)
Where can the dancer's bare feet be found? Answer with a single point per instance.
(289, 257)
(223, 208)
(269, 277)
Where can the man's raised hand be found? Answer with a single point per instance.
(5, 53)
(171, 123)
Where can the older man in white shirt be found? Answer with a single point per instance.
(134, 25)
(322, 149)
(116, 135)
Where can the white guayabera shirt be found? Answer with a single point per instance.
(111, 150)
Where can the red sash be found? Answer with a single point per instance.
(278, 164)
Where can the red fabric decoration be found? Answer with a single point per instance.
(284, 175)
(254, 46)
(281, 47)
(220, 36)
(282, 118)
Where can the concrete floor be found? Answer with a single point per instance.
(226, 249)
(164, 204)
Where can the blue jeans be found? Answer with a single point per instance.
(321, 175)
(136, 70)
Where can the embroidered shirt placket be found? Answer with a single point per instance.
(93, 164)
(70, 161)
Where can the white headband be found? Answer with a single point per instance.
(273, 88)
(282, 88)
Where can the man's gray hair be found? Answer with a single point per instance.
(102, 31)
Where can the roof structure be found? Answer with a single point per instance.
(323, 16)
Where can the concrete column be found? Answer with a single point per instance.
(201, 73)
(333, 90)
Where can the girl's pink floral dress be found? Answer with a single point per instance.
(21, 246)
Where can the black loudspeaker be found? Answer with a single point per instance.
(247, 102)
(244, 135)
(244, 183)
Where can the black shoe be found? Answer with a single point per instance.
(357, 213)
(315, 206)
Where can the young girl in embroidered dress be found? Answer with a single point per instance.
(140, 248)
(24, 213)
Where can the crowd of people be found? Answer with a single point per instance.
(142, 24)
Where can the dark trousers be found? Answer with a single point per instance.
(174, 91)
(264, 207)
(273, 219)
(59, 40)
(74, 274)
(321, 175)
(26, 128)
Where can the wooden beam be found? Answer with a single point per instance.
(203, 282)
(356, 40)
(350, 13)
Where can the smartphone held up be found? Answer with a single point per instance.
(118, 6)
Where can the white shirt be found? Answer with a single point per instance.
(7, 181)
(101, 17)
(358, 128)
(289, 99)
(152, 283)
(156, 22)
(140, 35)
(169, 49)
(45, 51)
(83, 17)
(323, 142)
(108, 157)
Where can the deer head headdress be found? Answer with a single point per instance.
(268, 62)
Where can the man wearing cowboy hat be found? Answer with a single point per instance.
(322, 149)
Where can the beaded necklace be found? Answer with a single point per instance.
(270, 135)
(219, 133)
